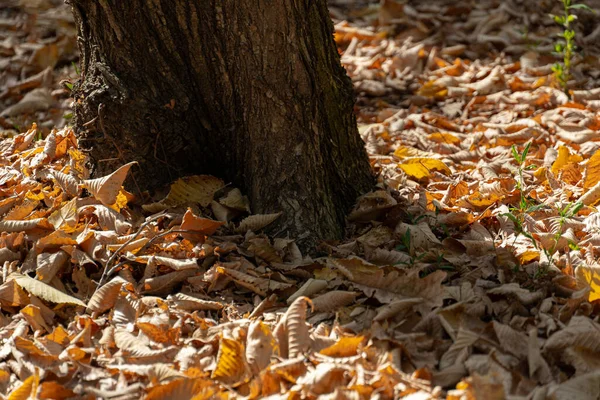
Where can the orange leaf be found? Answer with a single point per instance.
(201, 225)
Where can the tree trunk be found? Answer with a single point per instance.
(251, 91)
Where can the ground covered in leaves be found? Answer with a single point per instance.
(471, 272)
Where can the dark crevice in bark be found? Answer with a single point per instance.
(254, 94)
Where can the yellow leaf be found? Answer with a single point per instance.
(539, 82)
(592, 171)
(540, 174)
(345, 347)
(77, 161)
(55, 239)
(407, 152)
(481, 201)
(27, 390)
(528, 256)
(21, 211)
(432, 89)
(35, 197)
(420, 168)
(563, 159)
(120, 202)
(198, 189)
(183, 388)
(440, 137)
(588, 276)
(231, 362)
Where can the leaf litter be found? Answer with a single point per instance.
(470, 272)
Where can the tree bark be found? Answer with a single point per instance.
(251, 91)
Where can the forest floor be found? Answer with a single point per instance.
(470, 272)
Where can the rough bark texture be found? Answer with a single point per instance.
(251, 91)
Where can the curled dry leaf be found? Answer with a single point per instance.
(191, 303)
(107, 188)
(260, 346)
(105, 297)
(309, 288)
(235, 200)
(258, 285)
(44, 291)
(298, 339)
(333, 300)
(256, 222)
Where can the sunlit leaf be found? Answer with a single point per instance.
(107, 188)
(420, 168)
(44, 291)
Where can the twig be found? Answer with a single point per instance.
(108, 272)
(163, 234)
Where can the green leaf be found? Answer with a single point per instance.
(513, 218)
(525, 151)
(580, 7)
(530, 237)
(515, 154)
(573, 209)
(535, 207)
(523, 204)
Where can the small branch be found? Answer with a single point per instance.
(108, 272)
(163, 234)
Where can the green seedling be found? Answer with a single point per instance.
(564, 214)
(520, 158)
(565, 45)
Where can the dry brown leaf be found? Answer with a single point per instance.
(44, 291)
(106, 188)
(298, 339)
(191, 303)
(104, 298)
(260, 346)
(258, 285)
(184, 388)
(333, 300)
(194, 223)
(256, 222)
(197, 189)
